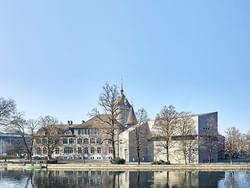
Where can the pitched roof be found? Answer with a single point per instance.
(122, 100)
(131, 118)
(98, 122)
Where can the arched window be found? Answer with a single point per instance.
(86, 141)
(68, 150)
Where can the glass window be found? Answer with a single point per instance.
(57, 150)
(92, 141)
(86, 150)
(71, 141)
(86, 141)
(44, 150)
(79, 141)
(99, 150)
(44, 141)
(38, 140)
(92, 150)
(79, 150)
(99, 141)
(65, 140)
(38, 151)
(57, 140)
(87, 131)
(110, 150)
(68, 150)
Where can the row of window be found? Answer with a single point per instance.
(72, 141)
(69, 150)
(87, 131)
(82, 141)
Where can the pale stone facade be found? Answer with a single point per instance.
(128, 144)
(87, 141)
(206, 145)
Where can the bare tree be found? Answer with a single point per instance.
(232, 142)
(7, 111)
(140, 136)
(187, 136)
(247, 143)
(25, 129)
(108, 103)
(50, 134)
(166, 125)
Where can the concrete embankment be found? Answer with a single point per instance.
(134, 167)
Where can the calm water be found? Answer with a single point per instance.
(129, 179)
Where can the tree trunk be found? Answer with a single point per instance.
(137, 145)
(167, 152)
(113, 149)
(138, 157)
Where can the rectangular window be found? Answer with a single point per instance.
(99, 141)
(99, 150)
(79, 150)
(65, 140)
(86, 141)
(44, 141)
(86, 150)
(57, 151)
(92, 141)
(38, 141)
(92, 150)
(79, 141)
(71, 141)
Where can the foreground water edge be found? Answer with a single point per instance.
(122, 179)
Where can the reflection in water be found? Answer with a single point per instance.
(127, 179)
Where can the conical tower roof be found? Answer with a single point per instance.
(131, 118)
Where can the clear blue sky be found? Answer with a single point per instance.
(56, 55)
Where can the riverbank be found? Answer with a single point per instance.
(133, 167)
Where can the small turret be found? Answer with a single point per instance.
(131, 118)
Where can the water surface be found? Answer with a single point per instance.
(124, 179)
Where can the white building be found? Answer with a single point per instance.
(203, 145)
(88, 141)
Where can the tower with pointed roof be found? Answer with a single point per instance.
(124, 108)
